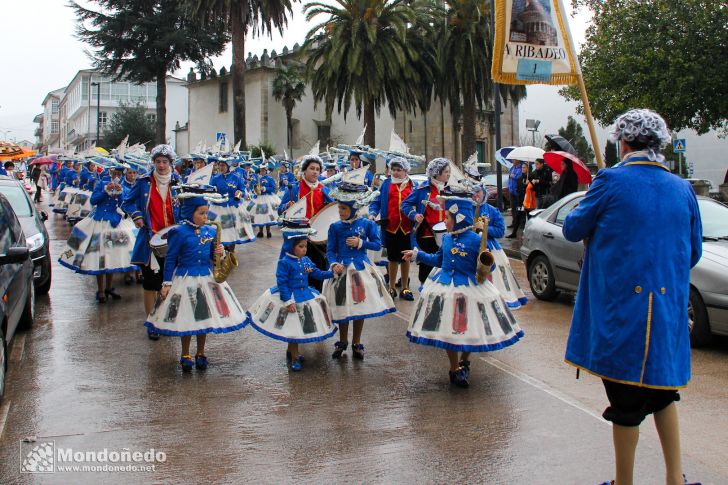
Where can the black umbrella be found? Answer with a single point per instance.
(560, 144)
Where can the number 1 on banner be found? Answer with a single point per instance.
(533, 70)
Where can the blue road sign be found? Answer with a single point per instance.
(220, 137)
(679, 145)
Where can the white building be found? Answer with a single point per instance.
(69, 120)
(211, 112)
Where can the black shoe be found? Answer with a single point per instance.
(339, 347)
(268, 235)
(100, 297)
(357, 351)
(399, 283)
(113, 294)
(288, 356)
(259, 235)
(152, 335)
(393, 293)
(511, 236)
(128, 279)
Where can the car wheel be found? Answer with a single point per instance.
(26, 319)
(3, 362)
(698, 324)
(541, 278)
(45, 287)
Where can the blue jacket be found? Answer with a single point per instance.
(496, 225)
(338, 252)
(87, 179)
(458, 258)
(380, 204)
(283, 177)
(267, 184)
(514, 173)
(292, 279)
(105, 206)
(135, 203)
(71, 178)
(413, 204)
(228, 184)
(126, 186)
(190, 251)
(291, 195)
(630, 321)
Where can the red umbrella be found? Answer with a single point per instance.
(44, 160)
(553, 160)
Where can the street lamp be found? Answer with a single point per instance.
(532, 126)
(98, 110)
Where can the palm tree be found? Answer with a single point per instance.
(239, 16)
(465, 58)
(289, 88)
(360, 55)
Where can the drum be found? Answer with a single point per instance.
(158, 243)
(439, 231)
(322, 221)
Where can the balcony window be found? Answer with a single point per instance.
(54, 127)
(120, 91)
(54, 106)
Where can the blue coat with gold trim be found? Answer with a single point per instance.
(630, 321)
(190, 251)
(338, 252)
(457, 258)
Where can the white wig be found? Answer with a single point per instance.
(163, 150)
(437, 166)
(400, 162)
(642, 127)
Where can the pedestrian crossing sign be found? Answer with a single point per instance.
(679, 145)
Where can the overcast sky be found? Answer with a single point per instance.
(40, 53)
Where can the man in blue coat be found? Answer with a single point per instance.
(642, 231)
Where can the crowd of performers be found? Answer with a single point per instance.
(147, 217)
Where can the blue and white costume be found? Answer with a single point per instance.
(236, 221)
(66, 190)
(264, 207)
(80, 204)
(454, 311)
(312, 321)
(503, 277)
(196, 303)
(103, 241)
(360, 291)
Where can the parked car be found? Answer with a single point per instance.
(553, 263)
(491, 185)
(17, 305)
(33, 221)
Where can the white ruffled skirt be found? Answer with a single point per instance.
(60, 205)
(356, 295)
(505, 280)
(471, 318)
(264, 209)
(236, 222)
(79, 206)
(94, 247)
(311, 322)
(197, 305)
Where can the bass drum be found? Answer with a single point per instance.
(322, 221)
(158, 243)
(439, 231)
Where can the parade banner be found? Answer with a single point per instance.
(533, 44)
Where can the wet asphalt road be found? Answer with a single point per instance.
(87, 378)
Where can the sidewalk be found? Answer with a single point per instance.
(512, 247)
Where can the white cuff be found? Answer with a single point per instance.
(167, 283)
(361, 243)
(416, 251)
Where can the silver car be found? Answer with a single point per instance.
(554, 264)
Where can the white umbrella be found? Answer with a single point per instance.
(525, 154)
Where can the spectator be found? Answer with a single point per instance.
(568, 181)
(541, 179)
(519, 213)
(514, 174)
(35, 175)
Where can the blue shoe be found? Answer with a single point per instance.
(288, 356)
(297, 365)
(201, 362)
(465, 365)
(187, 363)
(357, 351)
(152, 335)
(339, 348)
(459, 378)
(407, 295)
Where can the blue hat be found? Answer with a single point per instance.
(189, 206)
(294, 230)
(363, 156)
(192, 197)
(460, 206)
(329, 165)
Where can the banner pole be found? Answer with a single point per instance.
(582, 91)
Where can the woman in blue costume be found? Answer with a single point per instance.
(266, 202)
(101, 244)
(80, 205)
(292, 311)
(358, 291)
(235, 220)
(642, 231)
(455, 312)
(68, 188)
(191, 302)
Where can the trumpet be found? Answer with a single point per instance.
(223, 265)
(485, 257)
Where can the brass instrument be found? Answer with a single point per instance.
(485, 257)
(224, 264)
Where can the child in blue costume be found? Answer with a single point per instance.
(101, 244)
(69, 188)
(455, 312)
(191, 302)
(80, 205)
(266, 202)
(358, 291)
(131, 172)
(235, 220)
(292, 311)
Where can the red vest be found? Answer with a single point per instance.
(432, 216)
(160, 213)
(395, 219)
(315, 201)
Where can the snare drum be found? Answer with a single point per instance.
(322, 221)
(158, 243)
(439, 231)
